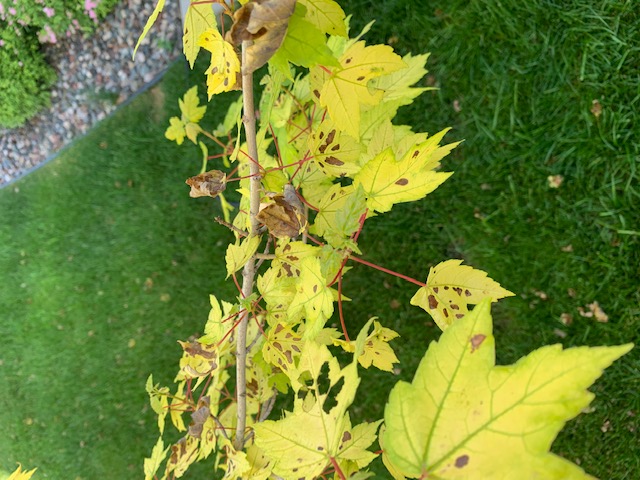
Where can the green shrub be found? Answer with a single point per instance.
(25, 79)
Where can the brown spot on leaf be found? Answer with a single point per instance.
(360, 78)
(415, 153)
(467, 293)
(462, 461)
(433, 303)
(315, 289)
(334, 161)
(277, 345)
(317, 94)
(436, 289)
(402, 181)
(346, 436)
(287, 268)
(458, 290)
(476, 341)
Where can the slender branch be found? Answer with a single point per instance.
(231, 227)
(249, 271)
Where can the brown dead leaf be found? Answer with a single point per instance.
(585, 313)
(598, 312)
(566, 318)
(208, 184)
(540, 294)
(199, 417)
(265, 23)
(555, 181)
(567, 248)
(596, 108)
(282, 219)
(559, 333)
(594, 310)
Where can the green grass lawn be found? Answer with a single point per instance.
(105, 261)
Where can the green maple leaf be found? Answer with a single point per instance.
(303, 45)
(387, 181)
(464, 417)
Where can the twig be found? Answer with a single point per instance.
(242, 233)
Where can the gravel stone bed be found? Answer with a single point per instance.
(95, 75)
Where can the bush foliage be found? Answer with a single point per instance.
(25, 78)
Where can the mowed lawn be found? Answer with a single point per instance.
(105, 261)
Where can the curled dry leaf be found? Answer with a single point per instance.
(265, 23)
(566, 319)
(594, 310)
(208, 184)
(555, 181)
(282, 219)
(596, 108)
(598, 312)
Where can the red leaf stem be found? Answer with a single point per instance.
(337, 468)
(386, 270)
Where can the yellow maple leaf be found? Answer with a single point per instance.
(450, 287)
(376, 349)
(199, 17)
(282, 346)
(387, 181)
(327, 15)
(347, 86)
(187, 125)
(18, 474)
(151, 464)
(223, 71)
(461, 409)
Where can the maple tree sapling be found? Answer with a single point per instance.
(323, 157)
